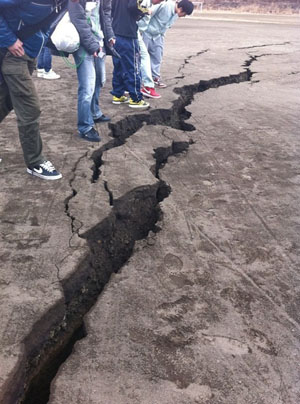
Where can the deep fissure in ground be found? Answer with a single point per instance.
(111, 244)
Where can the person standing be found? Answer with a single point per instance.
(147, 89)
(44, 65)
(92, 20)
(163, 17)
(126, 74)
(17, 90)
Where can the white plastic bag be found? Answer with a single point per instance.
(65, 36)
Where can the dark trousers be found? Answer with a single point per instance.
(18, 92)
(127, 72)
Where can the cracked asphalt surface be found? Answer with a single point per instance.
(193, 203)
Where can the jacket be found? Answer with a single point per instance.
(125, 14)
(78, 18)
(17, 14)
(163, 17)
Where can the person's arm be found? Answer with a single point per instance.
(78, 18)
(161, 16)
(107, 21)
(7, 38)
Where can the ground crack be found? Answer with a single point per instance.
(75, 223)
(261, 46)
(111, 243)
(174, 117)
(187, 61)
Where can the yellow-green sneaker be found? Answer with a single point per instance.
(120, 100)
(138, 104)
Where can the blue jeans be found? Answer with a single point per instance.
(45, 59)
(91, 77)
(127, 71)
(145, 63)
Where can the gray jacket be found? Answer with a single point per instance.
(78, 18)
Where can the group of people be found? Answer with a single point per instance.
(132, 31)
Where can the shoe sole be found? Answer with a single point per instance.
(89, 140)
(120, 102)
(99, 121)
(43, 177)
(151, 96)
(139, 106)
(50, 78)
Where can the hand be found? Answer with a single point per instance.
(17, 48)
(112, 41)
(95, 54)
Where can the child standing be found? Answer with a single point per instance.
(126, 74)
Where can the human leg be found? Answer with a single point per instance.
(47, 59)
(40, 59)
(86, 75)
(5, 101)
(24, 99)
(118, 86)
(100, 80)
(126, 74)
(44, 65)
(17, 72)
(156, 54)
(145, 63)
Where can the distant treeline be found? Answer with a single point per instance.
(254, 6)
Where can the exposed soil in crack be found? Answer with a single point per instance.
(111, 244)
(174, 117)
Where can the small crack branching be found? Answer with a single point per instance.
(187, 61)
(74, 229)
(260, 46)
(110, 194)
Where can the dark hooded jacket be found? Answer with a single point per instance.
(15, 15)
(78, 18)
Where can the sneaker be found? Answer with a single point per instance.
(150, 92)
(138, 104)
(40, 72)
(120, 100)
(50, 75)
(92, 136)
(45, 170)
(102, 118)
(159, 83)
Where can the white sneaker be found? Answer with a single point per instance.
(50, 75)
(40, 72)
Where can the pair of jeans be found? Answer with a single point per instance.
(18, 92)
(155, 49)
(91, 77)
(45, 59)
(145, 63)
(127, 71)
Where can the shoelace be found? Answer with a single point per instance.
(48, 166)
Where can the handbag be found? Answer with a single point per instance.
(65, 37)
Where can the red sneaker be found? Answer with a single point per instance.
(150, 92)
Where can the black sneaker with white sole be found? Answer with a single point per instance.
(91, 136)
(45, 170)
